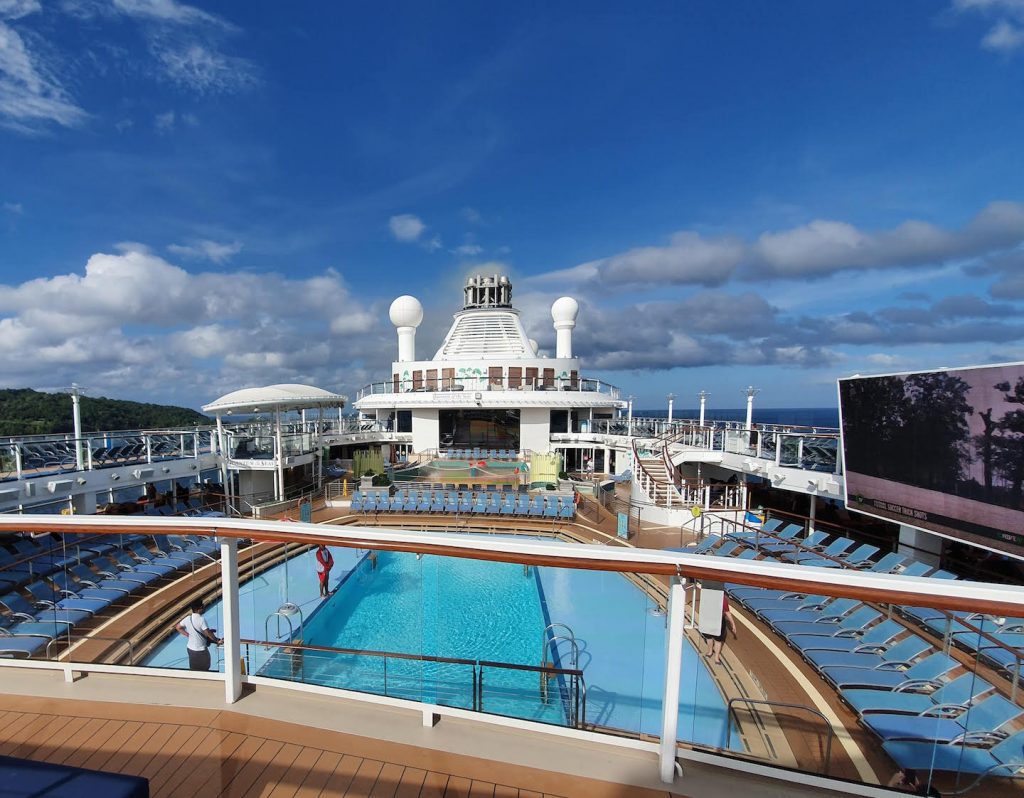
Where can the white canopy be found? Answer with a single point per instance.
(286, 396)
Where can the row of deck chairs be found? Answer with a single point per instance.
(454, 502)
(52, 585)
(481, 454)
(928, 710)
(57, 456)
(189, 508)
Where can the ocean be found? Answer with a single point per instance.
(803, 416)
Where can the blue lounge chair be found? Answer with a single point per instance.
(916, 568)
(72, 588)
(424, 503)
(889, 564)
(921, 676)
(437, 503)
(522, 505)
(831, 610)
(480, 505)
(508, 505)
(21, 645)
(566, 508)
(704, 546)
(537, 506)
(981, 722)
(123, 559)
(21, 610)
(826, 625)
(1002, 759)
(960, 691)
(876, 636)
(901, 653)
(106, 567)
(726, 549)
(44, 596)
(550, 508)
(834, 549)
(90, 579)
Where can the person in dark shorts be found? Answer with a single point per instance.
(193, 627)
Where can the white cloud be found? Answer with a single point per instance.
(406, 227)
(202, 68)
(13, 207)
(468, 250)
(31, 96)
(135, 320)
(167, 11)
(819, 248)
(123, 125)
(472, 215)
(164, 123)
(1007, 32)
(16, 9)
(204, 249)
(1004, 37)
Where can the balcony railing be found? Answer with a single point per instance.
(485, 383)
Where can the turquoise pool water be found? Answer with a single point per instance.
(477, 611)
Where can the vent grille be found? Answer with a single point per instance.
(486, 334)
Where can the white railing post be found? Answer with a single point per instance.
(673, 672)
(231, 631)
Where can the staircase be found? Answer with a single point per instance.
(654, 479)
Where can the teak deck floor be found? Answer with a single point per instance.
(198, 753)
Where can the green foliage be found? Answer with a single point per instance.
(381, 481)
(27, 412)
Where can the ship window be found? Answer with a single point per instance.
(479, 427)
(549, 378)
(417, 380)
(559, 420)
(403, 421)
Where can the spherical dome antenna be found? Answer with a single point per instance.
(406, 311)
(534, 345)
(565, 309)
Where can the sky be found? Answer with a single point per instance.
(196, 198)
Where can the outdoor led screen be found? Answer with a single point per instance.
(939, 450)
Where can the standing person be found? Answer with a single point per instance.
(193, 626)
(324, 564)
(728, 624)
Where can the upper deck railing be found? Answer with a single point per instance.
(484, 382)
(785, 445)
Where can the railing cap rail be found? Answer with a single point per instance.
(919, 591)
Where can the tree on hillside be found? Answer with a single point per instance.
(937, 437)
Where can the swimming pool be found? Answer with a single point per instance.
(490, 617)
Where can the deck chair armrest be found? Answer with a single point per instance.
(829, 619)
(848, 633)
(891, 665)
(863, 565)
(43, 604)
(88, 583)
(943, 711)
(917, 685)
(108, 574)
(22, 616)
(870, 648)
(986, 738)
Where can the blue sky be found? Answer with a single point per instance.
(194, 198)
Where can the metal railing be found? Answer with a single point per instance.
(497, 688)
(774, 705)
(485, 383)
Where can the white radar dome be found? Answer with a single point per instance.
(565, 309)
(406, 311)
(534, 345)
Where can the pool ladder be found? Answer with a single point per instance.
(551, 644)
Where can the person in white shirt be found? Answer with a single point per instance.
(193, 627)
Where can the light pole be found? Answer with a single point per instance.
(629, 416)
(703, 396)
(76, 415)
(751, 392)
(671, 398)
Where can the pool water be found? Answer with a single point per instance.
(436, 607)
(481, 612)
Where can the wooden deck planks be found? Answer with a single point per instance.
(201, 753)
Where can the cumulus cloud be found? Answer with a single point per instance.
(817, 249)
(406, 227)
(13, 207)
(204, 249)
(136, 321)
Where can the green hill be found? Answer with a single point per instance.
(27, 412)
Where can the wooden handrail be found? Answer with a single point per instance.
(980, 597)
